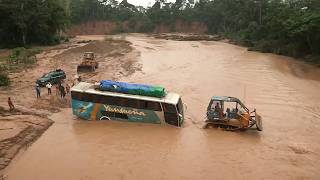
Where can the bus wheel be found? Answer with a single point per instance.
(105, 118)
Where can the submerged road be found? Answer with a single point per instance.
(285, 93)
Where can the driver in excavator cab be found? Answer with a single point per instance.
(218, 110)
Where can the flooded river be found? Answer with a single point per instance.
(285, 93)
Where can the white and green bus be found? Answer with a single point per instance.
(91, 104)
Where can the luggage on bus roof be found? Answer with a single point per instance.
(131, 88)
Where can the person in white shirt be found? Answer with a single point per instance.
(49, 86)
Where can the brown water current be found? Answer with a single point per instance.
(284, 91)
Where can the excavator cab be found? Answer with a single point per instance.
(88, 55)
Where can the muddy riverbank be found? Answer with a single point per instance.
(284, 92)
(31, 117)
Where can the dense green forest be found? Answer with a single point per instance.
(24, 22)
(289, 27)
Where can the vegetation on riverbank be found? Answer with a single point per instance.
(19, 58)
(27, 22)
(290, 27)
(4, 79)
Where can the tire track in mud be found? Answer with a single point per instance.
(25, 128)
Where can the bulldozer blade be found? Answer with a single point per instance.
(259, 122)
(85, 69)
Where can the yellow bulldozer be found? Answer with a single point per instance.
(88, 64)
(231, 114)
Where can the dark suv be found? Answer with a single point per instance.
(53, 77)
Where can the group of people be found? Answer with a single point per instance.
(229, 113)
(60, 89)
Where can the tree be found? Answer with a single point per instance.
(30, 21)
(290, 27)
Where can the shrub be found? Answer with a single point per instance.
(108, 38)
(239, 38)
(2, 109)
(290, 50)
(34, 51)
(267, 46)
(25, 56)
(118, 29)
(18, 55)
(4, 80)
(64, 38)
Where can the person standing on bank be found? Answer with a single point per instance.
(10, 103)
(38, 90)
(62, 91)
(67, 88)
(49, 86)
(57, 89)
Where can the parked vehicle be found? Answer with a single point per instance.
(231, 114)
(53, 77)
(88, 63)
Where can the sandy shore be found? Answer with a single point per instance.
(20, 128)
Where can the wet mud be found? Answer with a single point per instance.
(284, 91)
(29, 120)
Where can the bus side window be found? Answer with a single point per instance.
(97, 98)
(142, 104)
(123, 102)
(101, 99)
(155, 106)
(74, 95)
(87, 97)
(133, 103)
(77, 96)
(110, 101)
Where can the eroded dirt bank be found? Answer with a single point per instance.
(31, 117)
(284, 91)
(187, 37)
(110, 27)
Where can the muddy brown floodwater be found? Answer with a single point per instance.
(284, 91)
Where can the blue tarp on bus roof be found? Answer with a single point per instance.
(131, 88)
